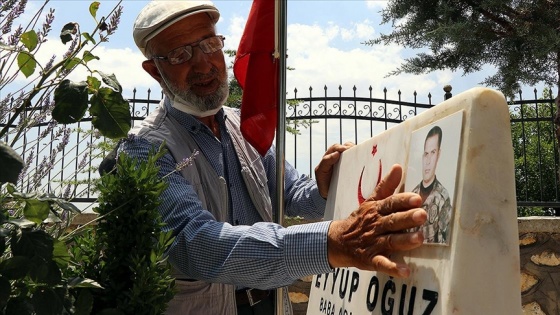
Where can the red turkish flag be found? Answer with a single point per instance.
(256, 70)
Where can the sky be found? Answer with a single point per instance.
(325, 47)
(325, 42)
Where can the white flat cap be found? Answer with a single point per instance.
(159, 15)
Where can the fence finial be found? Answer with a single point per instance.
(447, 89)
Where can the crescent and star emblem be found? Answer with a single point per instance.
(361, 198)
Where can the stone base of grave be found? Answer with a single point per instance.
(539, 243)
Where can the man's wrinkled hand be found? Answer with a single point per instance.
(379, 227)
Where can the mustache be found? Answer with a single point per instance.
(195, 78)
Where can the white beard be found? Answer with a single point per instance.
(190, 103)
(201, 106)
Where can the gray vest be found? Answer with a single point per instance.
(199, 297)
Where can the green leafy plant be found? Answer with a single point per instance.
(33, 256)
(40, 267)
(124, 252)
(110, 112)
(31, 278)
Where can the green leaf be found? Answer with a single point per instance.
(15, 267)
(71, 63)
(21, 195)
(5, 290)
(84, 303)
(93, 84)
(52, 199)
(45, 272)
(46, 302)
(71, 102)
(111, 80)
(22, 223)
(88, 37)
(88, 56)
(67, 206)
(10, 188)
(12, 164)
(39, 270)
(20, 306)
(84, 283)
(166, 238)
(93, 7)
(33, 243)
(52, 218)
(67, 31)
(36, 210)
(29, 40)
(60, 253)
(110, 113)
(54, 277)
(4, 232)
(26, 63)
(110, 311)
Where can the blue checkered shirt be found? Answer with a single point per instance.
(244, 251)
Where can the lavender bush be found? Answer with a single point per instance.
(35, 259)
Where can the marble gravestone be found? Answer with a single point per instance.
(469, 263)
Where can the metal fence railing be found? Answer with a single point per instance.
(62, 160)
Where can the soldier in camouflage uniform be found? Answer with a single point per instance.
(435, 198)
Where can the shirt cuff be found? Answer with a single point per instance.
(306, 249)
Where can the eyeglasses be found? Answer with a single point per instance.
(183, 54)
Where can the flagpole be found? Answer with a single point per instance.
(281, 25)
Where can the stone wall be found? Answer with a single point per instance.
(539, 245)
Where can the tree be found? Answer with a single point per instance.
(520, 38)
(235, 91)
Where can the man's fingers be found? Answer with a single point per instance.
(387, 266)
(403, 241)
(399, 202)
(388, 184)
(401, 221)
(329, 159)
(337, 147)
(350, 245)
(323, 171)
(332, 156)
(393, 243)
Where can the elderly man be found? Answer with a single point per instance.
(227, 253)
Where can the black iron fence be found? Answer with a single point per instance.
(62, 160)
(535, 151)
(319, 119)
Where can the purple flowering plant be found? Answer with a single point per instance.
(34, 245)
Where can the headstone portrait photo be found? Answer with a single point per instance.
(431, 173)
